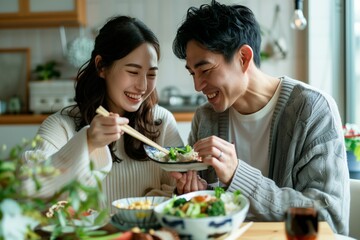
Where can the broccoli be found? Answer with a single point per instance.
(219, 191)
(172, 154)
(184, 150)
(216, 208)
(178, 202)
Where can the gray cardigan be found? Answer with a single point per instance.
(306, 153)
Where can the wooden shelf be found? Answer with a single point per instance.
(30, 14)
(28, 119)
(22, 119)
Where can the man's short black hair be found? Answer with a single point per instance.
(219, 28)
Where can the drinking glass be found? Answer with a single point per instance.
(301, 223)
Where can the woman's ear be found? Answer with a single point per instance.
(99, 66)
(246, 56)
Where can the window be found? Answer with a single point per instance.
(353, 61)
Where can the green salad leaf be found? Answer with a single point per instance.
(173, 151)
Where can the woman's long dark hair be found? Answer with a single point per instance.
(116, 39)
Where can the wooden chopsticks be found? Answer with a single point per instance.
(129, 130)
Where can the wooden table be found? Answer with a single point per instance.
(276, 231)
(267, 231)
(258, 231)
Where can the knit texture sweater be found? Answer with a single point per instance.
(307, 157)
(68, 151)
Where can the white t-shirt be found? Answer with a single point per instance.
(250, 133)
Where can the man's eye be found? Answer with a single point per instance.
(135, 73)
(191, 73)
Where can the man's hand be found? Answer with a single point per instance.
(220, 154)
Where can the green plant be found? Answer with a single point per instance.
(352, 139)
(47, 71)
(21, 212)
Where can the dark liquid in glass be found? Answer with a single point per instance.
(301, 224)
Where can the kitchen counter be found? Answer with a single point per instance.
(27, 119)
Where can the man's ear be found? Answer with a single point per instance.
(246, 56)
(99, 66)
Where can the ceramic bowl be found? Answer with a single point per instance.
(206, 227)
(158, 157)
(142, 218)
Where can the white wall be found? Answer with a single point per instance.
(326, 52)
(314, 55)
(163, 17)
(11, 135)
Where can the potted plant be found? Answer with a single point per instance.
(21, 212)
(48, 93)
(47, 71)
(352, 143)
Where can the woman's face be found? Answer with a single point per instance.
(130, 80)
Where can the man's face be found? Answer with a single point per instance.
(222, 82)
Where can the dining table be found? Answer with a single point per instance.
(257, 231)
(276, 231)
(266, 231)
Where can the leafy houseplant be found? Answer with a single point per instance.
(21, 212)
(352, 139)
(47, 71)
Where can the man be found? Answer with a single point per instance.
(269, 137)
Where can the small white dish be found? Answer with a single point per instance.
(155, 155)
(69, 229)
(87, 223)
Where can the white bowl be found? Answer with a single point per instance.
(202, 228)
(157, 156)
(142, 218)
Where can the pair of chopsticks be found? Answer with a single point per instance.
(236, 233)
(132, 132)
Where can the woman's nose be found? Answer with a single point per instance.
(141, 83)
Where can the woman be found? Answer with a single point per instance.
(120, 76)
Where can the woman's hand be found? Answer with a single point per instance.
(188, 182)
(104, 130)
(220, 154)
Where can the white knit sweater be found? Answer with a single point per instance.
(68, 151)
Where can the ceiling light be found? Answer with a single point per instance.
(298, 21)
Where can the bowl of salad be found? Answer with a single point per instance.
(203, 214)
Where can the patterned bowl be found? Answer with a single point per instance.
(205, 227)
(136, 211)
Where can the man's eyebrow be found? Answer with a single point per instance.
(139, 66)
(202, 62)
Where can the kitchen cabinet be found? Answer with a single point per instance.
(42, 13)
